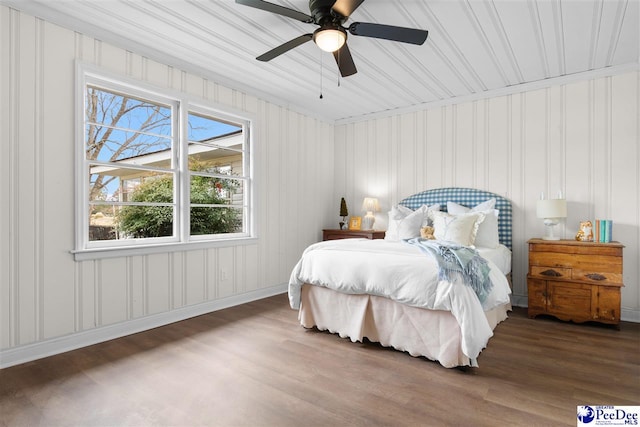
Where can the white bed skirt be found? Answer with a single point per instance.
(389, 323)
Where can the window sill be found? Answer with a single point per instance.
(101, 253)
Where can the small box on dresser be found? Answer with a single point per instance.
(575, 281)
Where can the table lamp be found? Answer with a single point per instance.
(552, 211)
(369, 205)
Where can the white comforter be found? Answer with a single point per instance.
(403, 273)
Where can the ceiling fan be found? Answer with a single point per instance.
(330, 15)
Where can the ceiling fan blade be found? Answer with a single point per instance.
(285, 47)
(274, 8)
(345, 61)
(346, 7)
(389, 32)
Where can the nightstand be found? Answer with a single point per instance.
(335, 234)
(577, 281)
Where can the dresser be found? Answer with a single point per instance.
(576, 281)
(334, 234)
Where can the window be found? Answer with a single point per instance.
(159, 169)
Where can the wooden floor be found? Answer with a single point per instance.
(253, 365)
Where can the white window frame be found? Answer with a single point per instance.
(182, 104)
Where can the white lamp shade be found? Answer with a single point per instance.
(329, 40)
(370, 204)
(552, 208)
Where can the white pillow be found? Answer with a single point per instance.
(487, 236)
(403, 225)
(461, 229)
(399, 212)
(454, 208)
(428, 211)
(403, 222)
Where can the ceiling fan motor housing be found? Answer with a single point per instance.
(327, 18)
(323, 14)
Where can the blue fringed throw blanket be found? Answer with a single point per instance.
(456, 261)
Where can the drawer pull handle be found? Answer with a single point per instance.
(596, 276)
(551, 273)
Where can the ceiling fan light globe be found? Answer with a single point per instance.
(329, 40)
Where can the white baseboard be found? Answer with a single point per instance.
(41, 349)
(519, 300)
(630, 315)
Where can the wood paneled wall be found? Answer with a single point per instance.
(581, 138)
(44, 293)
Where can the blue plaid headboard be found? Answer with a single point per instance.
(466, 197)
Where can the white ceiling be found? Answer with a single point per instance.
(474, 46)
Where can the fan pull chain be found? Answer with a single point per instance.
(320, 75)
(339, 66)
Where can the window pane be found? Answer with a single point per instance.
(203, 158)
(207, 129)
(127, 112)
(121, 127)
(103, 185)
(130, 147)
(216, 220)
(217, 149)
(111, 222)
(209, 196)
(102, 222)
(129, 185)
(145, 221)
(214, 191)
(109, 219)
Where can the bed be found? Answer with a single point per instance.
(390, 291)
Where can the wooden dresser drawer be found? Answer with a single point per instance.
(574, 247)
(596, 276)
(547, 272)
(577, 261)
